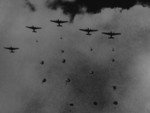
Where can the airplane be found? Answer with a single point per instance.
(88, 30)
(111, 34)
(33, 28)
(59, 22)
(11, 49)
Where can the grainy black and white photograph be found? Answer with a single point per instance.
(74, 56)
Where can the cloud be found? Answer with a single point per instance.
(30, 5)
(92, 6)
(69, 0)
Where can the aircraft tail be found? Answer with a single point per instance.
(34, 31)
(59, 25)
(12, 51)
(88, 34)
(111, 37)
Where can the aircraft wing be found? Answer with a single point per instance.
(38, 27)
(55, 21)
(106, 33)
(29, 27)
(15, 48)
(6, 47)
(116, 33)
(86, 30)
(93, 30)
(61, 21)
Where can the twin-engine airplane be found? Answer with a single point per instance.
(11, 48)
(59, 22)
(33, 28)
(88, 30)
(111, 34)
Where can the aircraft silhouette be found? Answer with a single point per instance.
(33, 28)
(111, 34)
(88, 30)
(59, 22)
(11, 49)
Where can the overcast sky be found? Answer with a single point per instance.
(21, 74)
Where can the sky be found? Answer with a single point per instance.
(21, 73)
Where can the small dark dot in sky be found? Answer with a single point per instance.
(71, 104)
(115, 103)
(113, 60)
(91, 49)
(62, 51)
(61, 38)
(113, 49)
(114, 87)
(68, 80)
(37, 41)
(91, 72)
(64, 61)
(95, 103)
(44, 80)
(42, 62)
(70, 110)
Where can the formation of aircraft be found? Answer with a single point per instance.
(88, 30)
(111, 34)
(59, 22)
(12, 49)
(33, 28)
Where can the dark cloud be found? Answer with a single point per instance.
(92, 6)
(30, 6)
